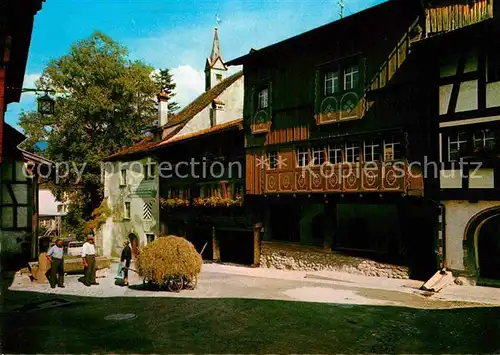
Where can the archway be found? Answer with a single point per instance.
(482, 244)
(134, 243)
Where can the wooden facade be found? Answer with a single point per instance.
(204, 202)
(356, 86)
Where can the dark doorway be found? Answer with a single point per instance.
(318, 230)
(489, 248)
(202, 237)
(236, 247)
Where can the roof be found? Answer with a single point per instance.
(202, 101)
(388, 6)
(177, 122)
(148, 144)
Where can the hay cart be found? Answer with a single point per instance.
(173, 283)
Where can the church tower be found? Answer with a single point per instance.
(215, 68)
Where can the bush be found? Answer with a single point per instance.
(168, 256)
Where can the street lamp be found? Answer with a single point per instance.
(46, 104)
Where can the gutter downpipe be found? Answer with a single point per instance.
(442, 224)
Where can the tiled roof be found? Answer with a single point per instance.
(177, 122)
(203, 101)
(215, 129)
(149, 144)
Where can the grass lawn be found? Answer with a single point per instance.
(180, 325)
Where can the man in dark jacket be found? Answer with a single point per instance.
(125, 259)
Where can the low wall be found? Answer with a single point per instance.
(286, 256)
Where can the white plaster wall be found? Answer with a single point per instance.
(458, 213)
(467, 96)
(493, 94)
(116, 229)
(444, 98)
(233, 110)
(233, 100)
(48, 203)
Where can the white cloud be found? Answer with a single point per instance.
(190, 83)
(29, 82)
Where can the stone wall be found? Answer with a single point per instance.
(292, 257)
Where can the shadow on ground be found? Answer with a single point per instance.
(184, 325)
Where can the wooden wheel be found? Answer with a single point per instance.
(175, 284)
(191, 282)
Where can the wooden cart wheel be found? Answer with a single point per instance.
(175, 284)
(192, 282)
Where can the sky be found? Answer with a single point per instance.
(173, 34)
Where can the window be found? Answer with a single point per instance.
(371, 152)
(351, 75)
(123, 177)
(318, 156)
(334, 154)
(147, 211)
(126, 212)
(485, 138)
(457, 142)
(273, 159)
(149, 171)
(263, 98)
(392, 149)
(59, 208)
(302, 157)
(352, 152)
(150, 238)
(331, 83)
(218, 77)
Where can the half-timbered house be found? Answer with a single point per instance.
(463, 74)
(19, 170)
(333, 119)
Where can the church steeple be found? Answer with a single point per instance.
(215, 47)
(215, 68)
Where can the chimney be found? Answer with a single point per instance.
(162, 109)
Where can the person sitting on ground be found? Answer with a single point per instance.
(125, 259)
(56, 258)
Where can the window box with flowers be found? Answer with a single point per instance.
(217, 202)
(175, 202)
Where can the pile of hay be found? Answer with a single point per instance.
(168, 256)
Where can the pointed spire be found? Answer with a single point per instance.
(215, 47)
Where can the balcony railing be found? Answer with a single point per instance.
(378, 177)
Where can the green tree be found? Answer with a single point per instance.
(107, 103)
(166, 82)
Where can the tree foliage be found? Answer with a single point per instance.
(166, 82)
(105, 102)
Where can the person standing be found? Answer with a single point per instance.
(56, 258)
(125, 259)
(88, 259)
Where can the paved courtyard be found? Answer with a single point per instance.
(243, 310)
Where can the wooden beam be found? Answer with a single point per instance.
(457, 83)
(256, 245)
(215, 246)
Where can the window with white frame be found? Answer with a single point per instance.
(352, 152)
(149, 171)
(392, 149)
(485, 138)
(335, 154)
(126, 210)
(302, 156)
(123, 177)
(263, 98)
(456, 143)
(351, 77)
(273, 159)
(371, 150)
(331, 83)
(318, 155)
